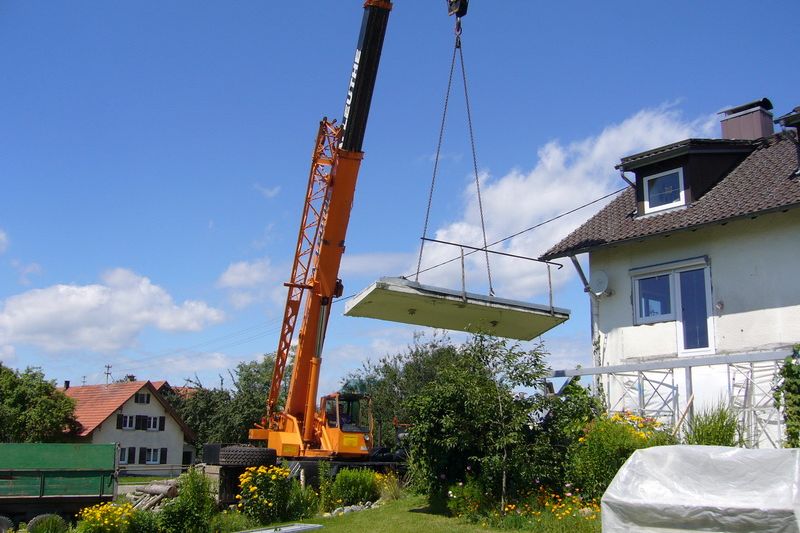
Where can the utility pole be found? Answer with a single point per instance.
(83, 380)
(108, 373)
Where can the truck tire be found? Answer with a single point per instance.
(50, 523)
(247, 456)
(6, 524)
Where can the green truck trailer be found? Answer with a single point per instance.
(55, 478)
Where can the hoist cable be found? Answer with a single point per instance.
(456, 48)
(475, 162)
(436, 161)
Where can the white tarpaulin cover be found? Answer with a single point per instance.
(705, 488)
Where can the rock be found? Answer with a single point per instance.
(337, 511)
(327, 515)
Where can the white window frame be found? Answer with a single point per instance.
(128, 422)
(682, 193)
(673, 269)
(153, 456)
(123, 456)
(152, 423)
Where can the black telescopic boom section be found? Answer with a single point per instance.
(365, 70)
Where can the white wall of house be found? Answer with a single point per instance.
(754, 302)
(171, 437)
(755, 288)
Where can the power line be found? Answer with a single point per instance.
(517, 234)
(136, 366)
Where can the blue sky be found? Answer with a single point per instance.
(154, 157)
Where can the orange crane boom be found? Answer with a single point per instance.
(300, 430)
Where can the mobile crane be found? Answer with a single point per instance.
(340, 425)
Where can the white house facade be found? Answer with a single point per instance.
(698, 262)
(150, 434)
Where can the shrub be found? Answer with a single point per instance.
(468, 500)
(231, 521)
(265, 493)
(47, 523)
(389, 486)
(303, 502)
(542, 510)
(143, 522)
(192, 509)
(351, 486)
(606, 445)
(714, 427)
(105, 518)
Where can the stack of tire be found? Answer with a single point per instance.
(238, 455)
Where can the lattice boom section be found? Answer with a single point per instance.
(311, 227)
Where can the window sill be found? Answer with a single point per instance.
(697, 351)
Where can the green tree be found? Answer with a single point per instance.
(787, 396)
(226, 414)
(32, 409)
(468, 419)
(394, 379)
(251, 383)
(558, 422)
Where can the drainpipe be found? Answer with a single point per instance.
(595, 313)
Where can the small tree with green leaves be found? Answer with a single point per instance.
(787, 397)
(467, 420)
(32, 409)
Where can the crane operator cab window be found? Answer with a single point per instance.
(348, 412)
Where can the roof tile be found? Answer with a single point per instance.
(763, 182)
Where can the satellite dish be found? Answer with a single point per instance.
(598, 283)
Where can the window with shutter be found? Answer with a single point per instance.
(142, 456)
(161, 422)
(119, 421)
(131, 455)
(163, 457)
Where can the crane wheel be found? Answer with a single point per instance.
(247, 456)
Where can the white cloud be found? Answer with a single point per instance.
(267, 192)
(265, 237)
(25, 271)
(564, 177)
(245, 274)
(106, 316)
(3, 241)
(7, 354)
(376, 264)
(252, 281)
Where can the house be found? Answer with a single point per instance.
(694, 269)
(151, 435)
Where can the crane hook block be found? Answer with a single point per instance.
(457, 7)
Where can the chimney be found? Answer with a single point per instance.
(66, 384)
(749, 121)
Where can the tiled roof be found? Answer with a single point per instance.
(94, 404)
(765, 181)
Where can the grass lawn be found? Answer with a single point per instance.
(411, 515)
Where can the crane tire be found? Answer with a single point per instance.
(247, 456)
(5, 524)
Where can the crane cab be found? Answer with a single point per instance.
(346, 427)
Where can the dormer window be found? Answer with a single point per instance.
(663, 191)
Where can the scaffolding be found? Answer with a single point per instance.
(751, 389)
(649, 389)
